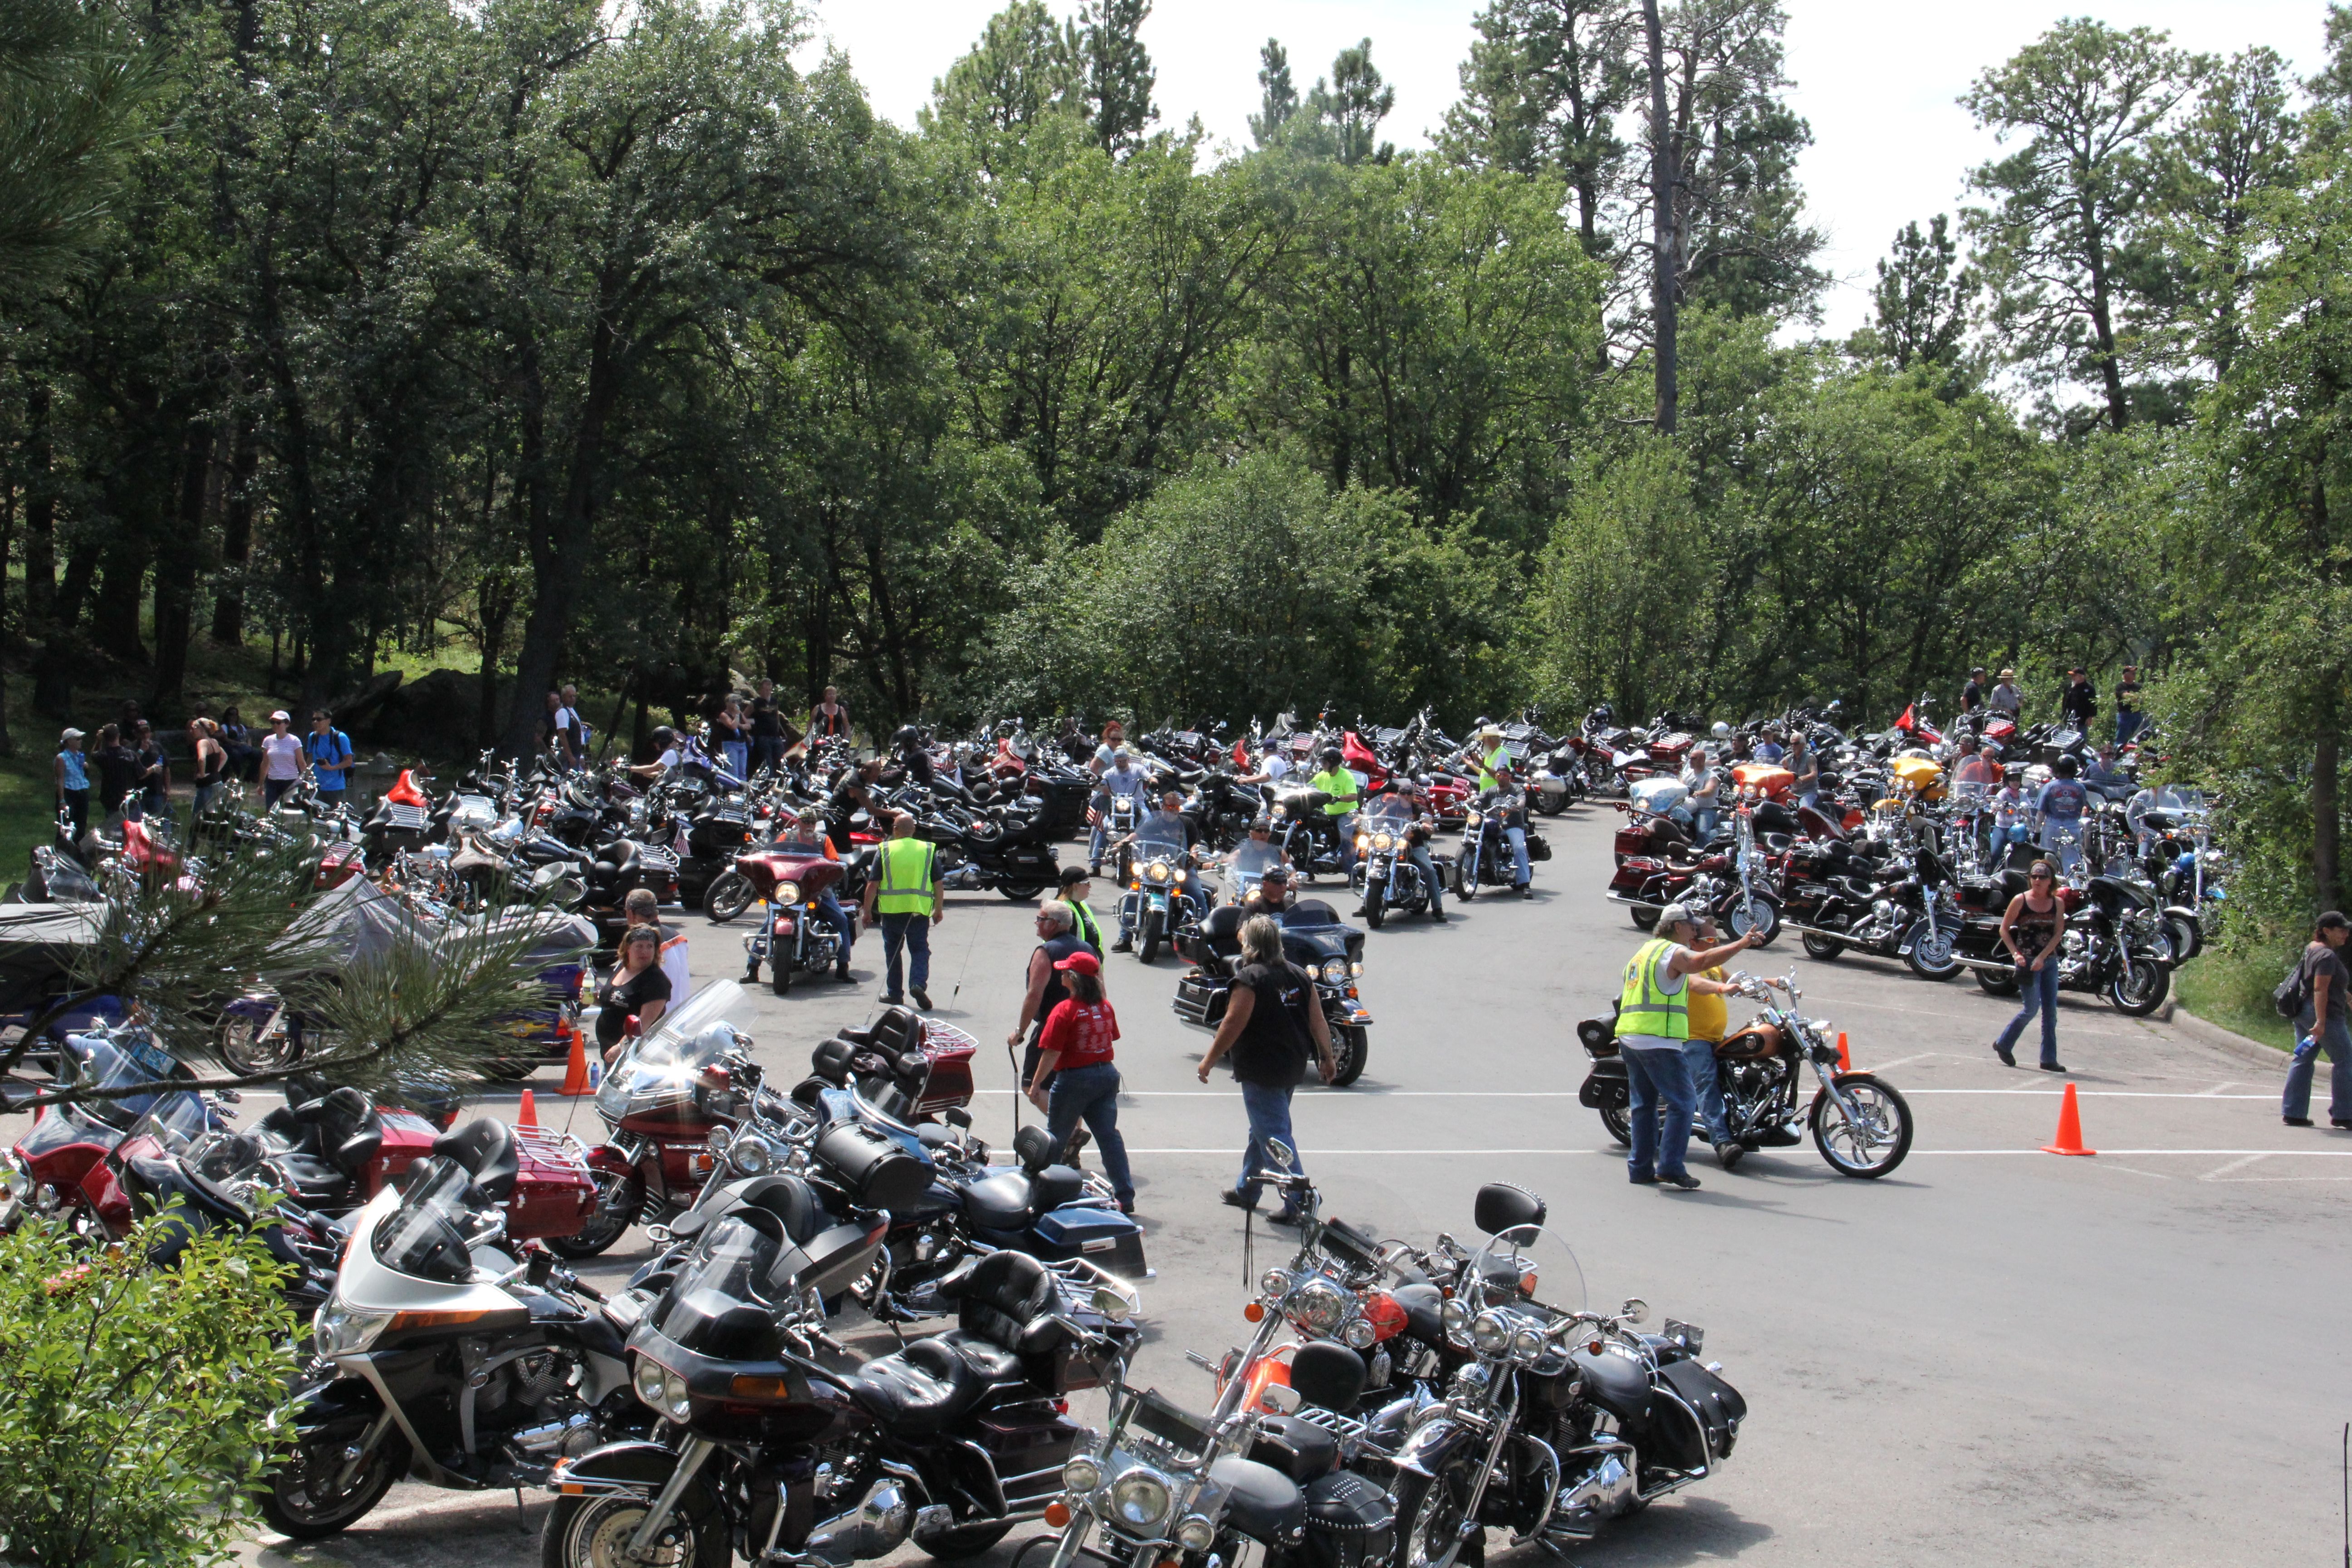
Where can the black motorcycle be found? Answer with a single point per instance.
(1008, 848)
(1385, 878)
(1314, 940)
(2116, 943)
(1484, 858)
(770, 1454)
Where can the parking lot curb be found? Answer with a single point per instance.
(2236, 1045)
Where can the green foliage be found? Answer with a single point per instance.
(1278, 94)
(132, 1414)
(75, 87)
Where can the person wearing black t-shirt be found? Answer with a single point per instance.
(1972, 695)
(636, 986)
(2128, 718)
(118, 775)
(1273, 1020)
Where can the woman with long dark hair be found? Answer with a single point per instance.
(2032, 930)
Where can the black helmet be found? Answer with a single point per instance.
(2066, 767)
(1330, 756)
(663, 734)
(907, 735)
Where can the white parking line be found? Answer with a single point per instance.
(1400, 1153)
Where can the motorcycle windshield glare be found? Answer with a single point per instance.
(111, 1062)
(424, 1238)
(1250, 859)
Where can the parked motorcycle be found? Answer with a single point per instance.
(2116, 943)
(1861, 1124)
(1313, 939)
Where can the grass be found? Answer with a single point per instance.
(2233, 990)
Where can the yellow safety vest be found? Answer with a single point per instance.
(1340, 786)
(906, 883)
(1496, 758)
(1710, 1015)
(1083, 924)
(1642, 1007)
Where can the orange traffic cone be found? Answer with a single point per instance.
(1845, 1057)
(575, 1071)
(529, 1115)
(2070, 1129)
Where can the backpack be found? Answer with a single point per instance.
(2293, 992)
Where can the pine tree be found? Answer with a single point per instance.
(1278, 94)
(1118, 72)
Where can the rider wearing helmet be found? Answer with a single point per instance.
(1341, 785)
(2059, 806)
(671, 756)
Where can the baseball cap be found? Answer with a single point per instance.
(1083, 962)
(1278, 872)
(281, 716)
(1073, 875)
(1676, 915)
(70, 735)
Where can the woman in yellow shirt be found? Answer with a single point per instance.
(1710, 1020)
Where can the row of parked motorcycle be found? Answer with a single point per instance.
(1394, 1402)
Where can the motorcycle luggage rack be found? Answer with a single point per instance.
(1347, 1429)
(404, 817)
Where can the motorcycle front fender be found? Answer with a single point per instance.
(604, 1157)
(1432, 1446)
(336, 1407)
(636, 1468)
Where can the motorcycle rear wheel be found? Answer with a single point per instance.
(1997, 983)
(1020, 893)
(963, 1541)
(2141, 987)
(1842, 1148)
(728, 895)
(2188, 938)
(1549, 803)
(287, 1507)
(1645, 919)
(1619, 1122)
(509, 1070)
(1824, 947)
(595, 1532)
(1349, 1048)
(618, 1199)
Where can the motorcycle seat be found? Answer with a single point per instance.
(486, 1151)
(310, 1177)
(920, 1388)
(1298, 1448)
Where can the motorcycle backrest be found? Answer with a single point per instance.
(1501, 1206)
(485, 1150)
(1033, 1146)
(831, 1059)
(1325, 1373)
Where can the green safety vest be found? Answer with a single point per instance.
(905, 885)
(1495, 759)
(1340, 786)
(1083, 924)
(1642, 1007)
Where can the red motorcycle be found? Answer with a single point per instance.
(795, 934)
(1361, 760)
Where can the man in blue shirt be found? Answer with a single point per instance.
(330, 756)
(2060, 805)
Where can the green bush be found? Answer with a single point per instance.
(134, 1402)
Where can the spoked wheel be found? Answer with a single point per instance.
(1760, 914)
(1349, 1048)
(249, 1052)
(1619, 1120)
(1875, 1141)
(1824, 947)
(595, 1533)
(1931, 956)
(2141, 987)
(728, 895)
(1429, 1511)
(308, 1497)
(618, 1199)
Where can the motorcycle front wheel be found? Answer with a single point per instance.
(1375, 911)
(728, 895)
(2187, 937)
(297, 1505)
(1146, 942)
(2139, 987)
(1429, 1511)
(1877, 1142)
(1350, 1047)
(247, 1052)
(595, 1531)
(1931, 957)
(1760, 914)
(618, 1199)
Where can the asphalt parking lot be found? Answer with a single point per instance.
(1992, 1353)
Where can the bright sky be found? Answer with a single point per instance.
(1877, 81)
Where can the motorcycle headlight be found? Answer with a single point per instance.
(1355, 969)
(1363, 840)
(1157, 870)
(1318, 1306)
(788, 892)
(1489, 1333)
(1455, 1319)
(1195, 1533)
(1359, 1334)
(1383, 842)
(1528, 1345)
(340, 1329)
(1140, 1499)
(1335, 970)
(1470, 822)
(1081, 1476)
(661, 1389)
(1274, 1283)
(647, 1377)
(750, 1155)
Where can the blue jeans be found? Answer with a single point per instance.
(1699, 1060)
(1419, 855)
(739, 757)
(2040, 990)
(2336, 1041)
(1091, 1093)
(912, 933)
(1658, 1080)
(2070, 852)
(1703, 821)
(1269, 1117)
(1343, 829)
(1520, 873)
(2128, 724)
(829, 907)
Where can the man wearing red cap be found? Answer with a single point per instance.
(1075, 1056)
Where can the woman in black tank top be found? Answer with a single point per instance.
(2031, 929)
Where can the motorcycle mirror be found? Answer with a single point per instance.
(956, 1116)
(1634, 1310)
(1280, 1399)
(229, 1096)
(1280, 1155)
(1111, 1304)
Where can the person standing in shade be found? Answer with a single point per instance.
(1075, 1061)
(331, 757)
(2128, 718)
(1654, 1028)
(1083, 925)
(2079, 701)
(730, 732)
(211, 760)
(242, 755)
(2326, 985)
(643, 911)
(829, 720)
(118, 777)
(637, 985)
(905, 892)
(2030, 928)
(154, 774)
(1047, 987)
(281, 758)
(1273, 1022)
(1972, 695)
(73, 783)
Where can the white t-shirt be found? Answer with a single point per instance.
(1668, 986)
(567, 722)
(281, 756)
(669, 759)
(673, 964)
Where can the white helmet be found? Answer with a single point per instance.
(1722, 730)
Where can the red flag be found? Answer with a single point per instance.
(1241, 755)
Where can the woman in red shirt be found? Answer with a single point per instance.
(1074, 1054)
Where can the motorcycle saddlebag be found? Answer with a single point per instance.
(552, 1193)
(1717, 1405)
(1199, 999)
(1538, 847)
(1631, 841)
(1103, 1237)
(874, 1168)
(1633, 874)
(1605, 1085)
(1350, 1522)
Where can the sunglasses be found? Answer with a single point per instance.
(2037, 876)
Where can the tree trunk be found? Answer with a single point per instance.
(494, 601)
(1665, 160)
(2327, 822)
(40, 512)
(237, 535)
(176, 562)
(2103, 329)
(114, 616)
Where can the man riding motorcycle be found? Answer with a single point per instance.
(1121, 778)
(1509, 803)
(1341, 784)
(806, 836)
(1168, 824)
(1400, 803)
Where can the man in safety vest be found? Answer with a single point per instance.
(905, 890)
(1495, 758)
(1082, 922)
(1654, 1028)
(1341, 784)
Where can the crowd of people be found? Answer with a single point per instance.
(122, 774)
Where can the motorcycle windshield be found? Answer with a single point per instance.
(177, 1121)
(112, 1061)
(1160, 837)
(1250, 859)
(424, 1238)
